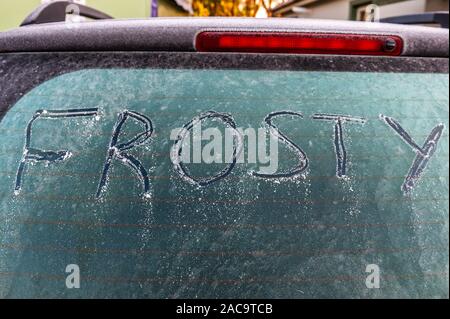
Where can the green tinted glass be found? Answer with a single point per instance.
(87, 179)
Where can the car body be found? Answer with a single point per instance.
(94, 118)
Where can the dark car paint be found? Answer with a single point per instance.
(178, 34)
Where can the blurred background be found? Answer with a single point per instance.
(13, 12)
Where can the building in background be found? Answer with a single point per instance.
(13, 12)
(226, 8)
(355, 9)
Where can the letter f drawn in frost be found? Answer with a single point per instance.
(32, 154)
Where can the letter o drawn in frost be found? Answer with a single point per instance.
(176, 152)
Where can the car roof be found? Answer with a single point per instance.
(178, 34)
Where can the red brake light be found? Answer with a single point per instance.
(299, 43)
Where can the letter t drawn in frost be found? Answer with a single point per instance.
(339, 145)
(32, 154)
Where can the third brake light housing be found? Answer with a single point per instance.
(299, 43)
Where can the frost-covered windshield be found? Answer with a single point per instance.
(226, 183)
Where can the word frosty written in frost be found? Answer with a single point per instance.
(119, 152)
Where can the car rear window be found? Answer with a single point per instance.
(91, 174)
